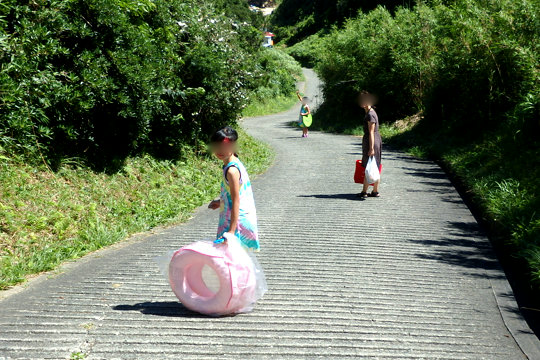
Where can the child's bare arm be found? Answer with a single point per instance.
(233, 177)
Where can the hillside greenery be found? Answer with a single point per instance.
(101, 80)
(467, 73)
(105, 110)
(294, 20)
(49, 217)
(276, 87)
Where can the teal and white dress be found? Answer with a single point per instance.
(303, 109)
(246, 229)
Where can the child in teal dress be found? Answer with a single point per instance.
(237, 207)
(304, 111)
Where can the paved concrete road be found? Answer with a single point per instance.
(405, 276)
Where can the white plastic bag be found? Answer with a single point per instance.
(372, 172)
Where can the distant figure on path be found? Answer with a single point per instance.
(238, 215)
(304, 111)
(371, 142)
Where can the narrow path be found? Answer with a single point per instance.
(405, 276)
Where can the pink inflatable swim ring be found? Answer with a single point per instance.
(233, 267)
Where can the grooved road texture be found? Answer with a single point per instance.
(405, 276)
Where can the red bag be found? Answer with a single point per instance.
(360, 172)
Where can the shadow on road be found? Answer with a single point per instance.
(333, 196)
(408, 158)
(434, 174)
(461, 248)
(160, 308)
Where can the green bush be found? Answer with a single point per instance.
(294, 20)
(307, 51)
(105, 79)
(276, 74)
(467, 60)
(388, 55)
(471, 69)
(47, 218)
(239, 11)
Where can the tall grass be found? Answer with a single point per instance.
(49, 217)
(277, 75)
(270, 106)
(499, 176)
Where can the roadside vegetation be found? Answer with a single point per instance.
(294, 20)
(276, 90)
(49, 217)
(105, 110)
(462, 78)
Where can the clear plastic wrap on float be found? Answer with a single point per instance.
(215, 279)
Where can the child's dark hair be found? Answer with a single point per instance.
(225, 133)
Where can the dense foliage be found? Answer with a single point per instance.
(238, 10)
(460, 62)
(470, 68)
(47, 218)
(276, 90)
(294, 20)
(273, 75)
(134, 87)
(308, 51)
(105, 79)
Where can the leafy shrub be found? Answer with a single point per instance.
(466, 60)
(471, 69)
(276, 74)
(307, 51)
(294, 20)
(105, 79)
(239, 11)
